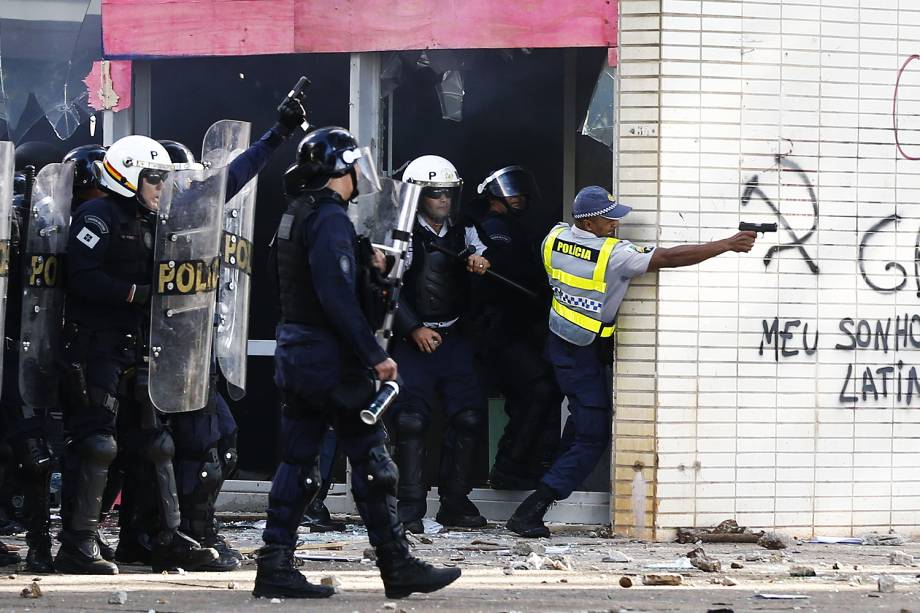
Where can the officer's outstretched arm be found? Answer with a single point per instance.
(87, 246)
(688, 255)
(332, 263)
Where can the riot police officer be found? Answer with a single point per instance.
(325, 358)
(511, 328)
(204, 440)
(28, 426)
(108, 284)
(85, 182)
(590, 270)
(436, 357)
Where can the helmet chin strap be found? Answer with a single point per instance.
(354, 184)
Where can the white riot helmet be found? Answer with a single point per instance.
(121, 170)
(441, 185)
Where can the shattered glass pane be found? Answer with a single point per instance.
(43, 60)
(599, 120)
(391, 74)
(450, 93)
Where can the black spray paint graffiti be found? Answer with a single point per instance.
(871, 383)
(752, 190)
(879, 227)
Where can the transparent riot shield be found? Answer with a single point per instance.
(43, 285)
(7, 164)
(223, 142)
(386, 218)
(187, 265)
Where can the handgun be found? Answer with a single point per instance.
(745, 226)
(299, 93)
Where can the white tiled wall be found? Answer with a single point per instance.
(790, 102)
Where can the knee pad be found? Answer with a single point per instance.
(209, 474)
(468, 421)
(310, 480)
(382, 474)
(226, 448)
(411, 424)
(161, 448)
(97, 449)
(34, 456)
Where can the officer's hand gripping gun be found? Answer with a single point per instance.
(298, 93)
(467, 252)
(760, 228)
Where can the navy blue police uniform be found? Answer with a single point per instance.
(436, 295)
(511, 330)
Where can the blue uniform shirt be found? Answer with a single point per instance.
(329, 238)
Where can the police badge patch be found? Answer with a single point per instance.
(88, 237)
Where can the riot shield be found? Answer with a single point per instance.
(7, 164)
(224, 141)
(386, 218)
(186, 257)
(43, 285)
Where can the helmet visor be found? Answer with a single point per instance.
(511, 181)
(362, 159)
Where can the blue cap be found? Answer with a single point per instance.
(596, 201)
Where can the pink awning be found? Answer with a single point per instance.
(177, 28)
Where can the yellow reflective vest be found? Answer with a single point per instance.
(577, 270)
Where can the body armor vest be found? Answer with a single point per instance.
(437, 285)
(299, 301)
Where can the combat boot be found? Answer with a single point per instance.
(527, 520)
(228, 559)
(133, 548)
(318, 519)
(459, 512)
(276, 576)
(180, 551)
(105, 548)
(404, 574)
(39, 559)
(411, 513)
(79, 555)
(8, 556)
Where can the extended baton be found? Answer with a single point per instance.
(490, 273)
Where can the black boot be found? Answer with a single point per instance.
(105, 548)
(133, 547)
(8, 556)
(459, 512)
(411, 513)
(527, 520)
(500, 479)
(79, 555)
(39, 559)
(276, 576)
(180, 551)
(404, 574)
(318, 519)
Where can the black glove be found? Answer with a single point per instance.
(290, 115)
(141, 295)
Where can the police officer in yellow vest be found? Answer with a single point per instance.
(589, 271)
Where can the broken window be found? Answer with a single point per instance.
(46, 49)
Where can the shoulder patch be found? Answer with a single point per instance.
(639, 249)
(500, 238)
(88, 237)
(97, 222)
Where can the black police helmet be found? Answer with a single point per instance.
(178, 153)
(37, 154)
(83, 157)
(319, 158)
